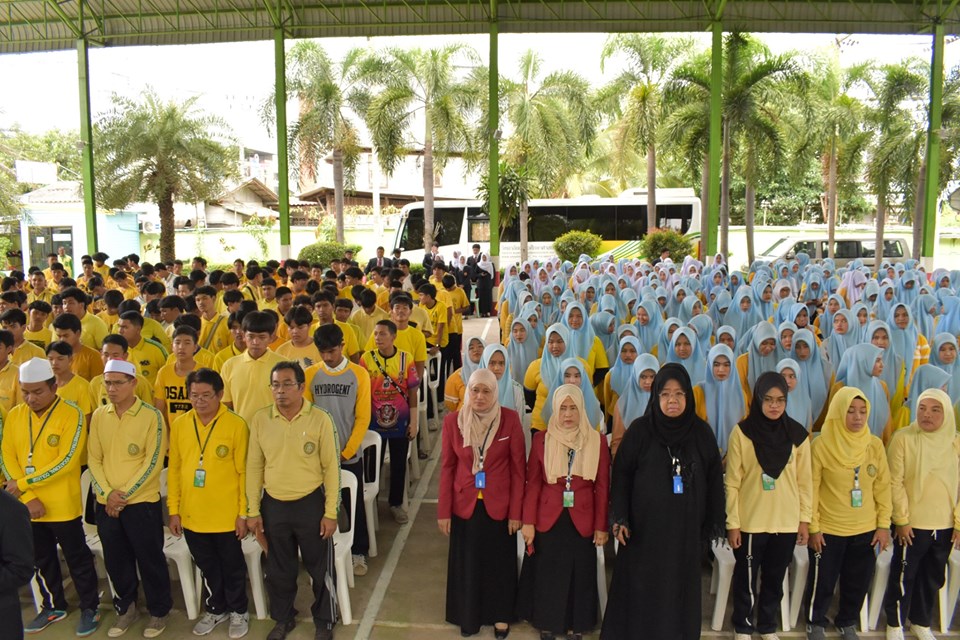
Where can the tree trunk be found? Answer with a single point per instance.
(725, 193)
(748, 218)
(832, 198)
(524, 221)
(705, 207)
(168, 249)
(918, 211)
(881, 220)
(338, 191)
(651, 187)
(428, 188)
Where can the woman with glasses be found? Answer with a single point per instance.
(769, 491)
(666, 499)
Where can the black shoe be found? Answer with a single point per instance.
(281, 629)
(422, 455)
(546, 635)
(324, 631)
(501, 634)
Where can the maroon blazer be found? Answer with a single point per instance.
(503, 462)
(543, 502)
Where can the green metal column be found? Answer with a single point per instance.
(280, 94)
(712, 232)
(86, 140)
(932, 185)
(493, 125)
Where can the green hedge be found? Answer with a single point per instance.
(325, 252)
(659, 239)
(572, 244)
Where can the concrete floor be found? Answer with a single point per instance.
(401, 597)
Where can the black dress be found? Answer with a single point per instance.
(484, 292)
(655, 592)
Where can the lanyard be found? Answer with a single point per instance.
(674, 463)
(482, 447)
(196, 430)
(570, 456)
(856, 478)
(33, 442)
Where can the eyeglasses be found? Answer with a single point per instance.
(679, 395)
(286, 386)
(202, 397)
(778, 400)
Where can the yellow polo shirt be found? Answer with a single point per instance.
(144, 390)
(438, 317)
(10, 386)
(214, 507)
(87, 362)
(149, 357)
(26, 351)
(225, 355)
(203, 358)
(367, 322)
(93, 330)
(39, 339)
(57, 438)
(125, 453)
(247, 382)
(290, 459)
(215, 334)
(306, 356)
(410, 340)
(78, 392)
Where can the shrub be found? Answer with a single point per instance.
(570, 245)
(417, 269)
(656, 241)
(325, 252)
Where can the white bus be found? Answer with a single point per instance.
(621, 222)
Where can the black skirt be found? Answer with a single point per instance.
(481, 571)
(558, 583)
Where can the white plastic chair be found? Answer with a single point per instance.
(90, 530)
(433, 386)
(176, 551)
(601, 571)
(953, 590)
(878, 586)
(253, 555)
(414, 460)
(371, 488)
(799, 569)
(342, 543)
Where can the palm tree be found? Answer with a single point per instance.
(552, 123)
(421, 87)
(161, 152)
(895, 122)
(634, 99)
(331, 96)
(515, 187)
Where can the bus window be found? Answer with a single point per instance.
(674, 216)
(631, 222)
(596, 219)
(447, 223)
(546, 225)
(412, 236)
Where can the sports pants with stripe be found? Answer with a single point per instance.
(220, 559)
(916, 574)
(765, 556)
(71, 538)
(849, 559)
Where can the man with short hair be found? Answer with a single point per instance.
(207, 499)
(115, 348)
(149, 356)
(74, 301)
(43, 440)
(300, 348)
(293, 497)
(86, 361)
(379, 261)
(15, 321)
(38, 288)
(127, 442)
(244, 375)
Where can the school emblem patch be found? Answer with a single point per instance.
(871, 470)
(222, 451)
(309, 447)
(133, 449)
(53, 439)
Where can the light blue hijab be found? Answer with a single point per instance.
(736, 318)
(549, 364)
(756, 363)
(703, 325)
(815, 375)
(506, 382)
(953, 386)
(687, 307)
(798, 402)
(826, 319)
(590, 403)
(856, 370)
(521, 354)
(665, 340)
(649, 333)
(892, 362)
(468, 366)
(620, 372)
(633, 402)
(725, 405)
(927, 376)
(903, 341)
(601, 321)
(581, 340)
(695, 364)
(838, 344)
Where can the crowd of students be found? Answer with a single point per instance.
(234, 398)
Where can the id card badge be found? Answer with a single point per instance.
(677, 485)
(480, 480)
(769, 484)
(567, 499)
(29, 469)
(200, 478)
(856, 498)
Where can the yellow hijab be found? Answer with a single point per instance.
(583, 439)
(935, 455)
(845, 447)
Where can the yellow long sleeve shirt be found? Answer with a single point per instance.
(932, 510)
(833, 512)
(290, 459)
(214, 507)
(125, 452)
(753, 509)
(57, 439)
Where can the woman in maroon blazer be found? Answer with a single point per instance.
(481, 499)
(564, 516)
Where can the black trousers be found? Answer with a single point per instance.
(220, 559)
(71, 538)
(398, 467)
(134, 542)
(11, 625)
(291, 526)
(765, 556)
(916, 574)
(361, 536)
(451, 356)
(851, 560)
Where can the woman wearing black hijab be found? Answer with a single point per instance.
(769, 504)
(666, 501)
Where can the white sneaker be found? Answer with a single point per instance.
(922, 633)
(769, 636)
(894, 633)
(400, 515)
(359, 565)
(239, 625)
(208, 622)
(741, 636)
